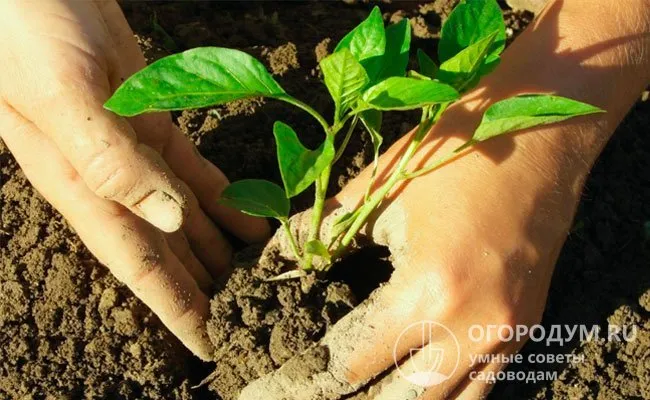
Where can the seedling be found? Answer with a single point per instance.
(366, 76)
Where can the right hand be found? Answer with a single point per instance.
(136, 191)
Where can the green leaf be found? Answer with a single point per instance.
(464, 68)
(368, 39)
(527, 111)
(428, 67)
(407, 93)
(317, 248)
(371, 119)
(468, 23)
(396, 57)
(195, 78)
(256, 197)
(344, 78)
(299, 166)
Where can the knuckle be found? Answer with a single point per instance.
(74, 81)
(112, 182)
(149, 262)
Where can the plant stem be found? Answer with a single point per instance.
(317, 211)
(307, 108)
(292, 239)
(346, 139)
(439, 162)
(368, 207)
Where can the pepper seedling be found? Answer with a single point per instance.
(366, 75)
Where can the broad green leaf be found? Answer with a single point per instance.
(371, 119)
(195, 78)
(527, 111)
(398, 93)
(368, 39)
(464, 68)
(256, 197)
(299, 166)
(396, 57)
(468, 23)
(428, 67)
(317, 248)
(344, 78)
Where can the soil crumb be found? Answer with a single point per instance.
(283, 58)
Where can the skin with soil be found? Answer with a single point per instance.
(69, 330)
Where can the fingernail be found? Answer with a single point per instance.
(162, 211)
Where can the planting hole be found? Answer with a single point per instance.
(364, 270)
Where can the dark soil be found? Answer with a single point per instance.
(69, 330)
(257, 325)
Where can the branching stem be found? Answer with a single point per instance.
(398, 174)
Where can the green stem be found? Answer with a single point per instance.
(374, 201)
(368, 207)
(292, 239)
(307, 108)
(317, 211)
(439, 162)
(346, 139)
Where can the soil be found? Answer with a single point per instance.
(257, 325)
(69, 330)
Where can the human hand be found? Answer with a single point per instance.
(474, 242)
(136, 191)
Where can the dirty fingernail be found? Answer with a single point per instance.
(162, 210)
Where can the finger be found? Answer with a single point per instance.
(181, 248)
(127, 59)
(135, 252)
(432, 371)
(479, 384)
(204, 179)
(207, 182)
(442, 369)
(66, 103)
(207, 241)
